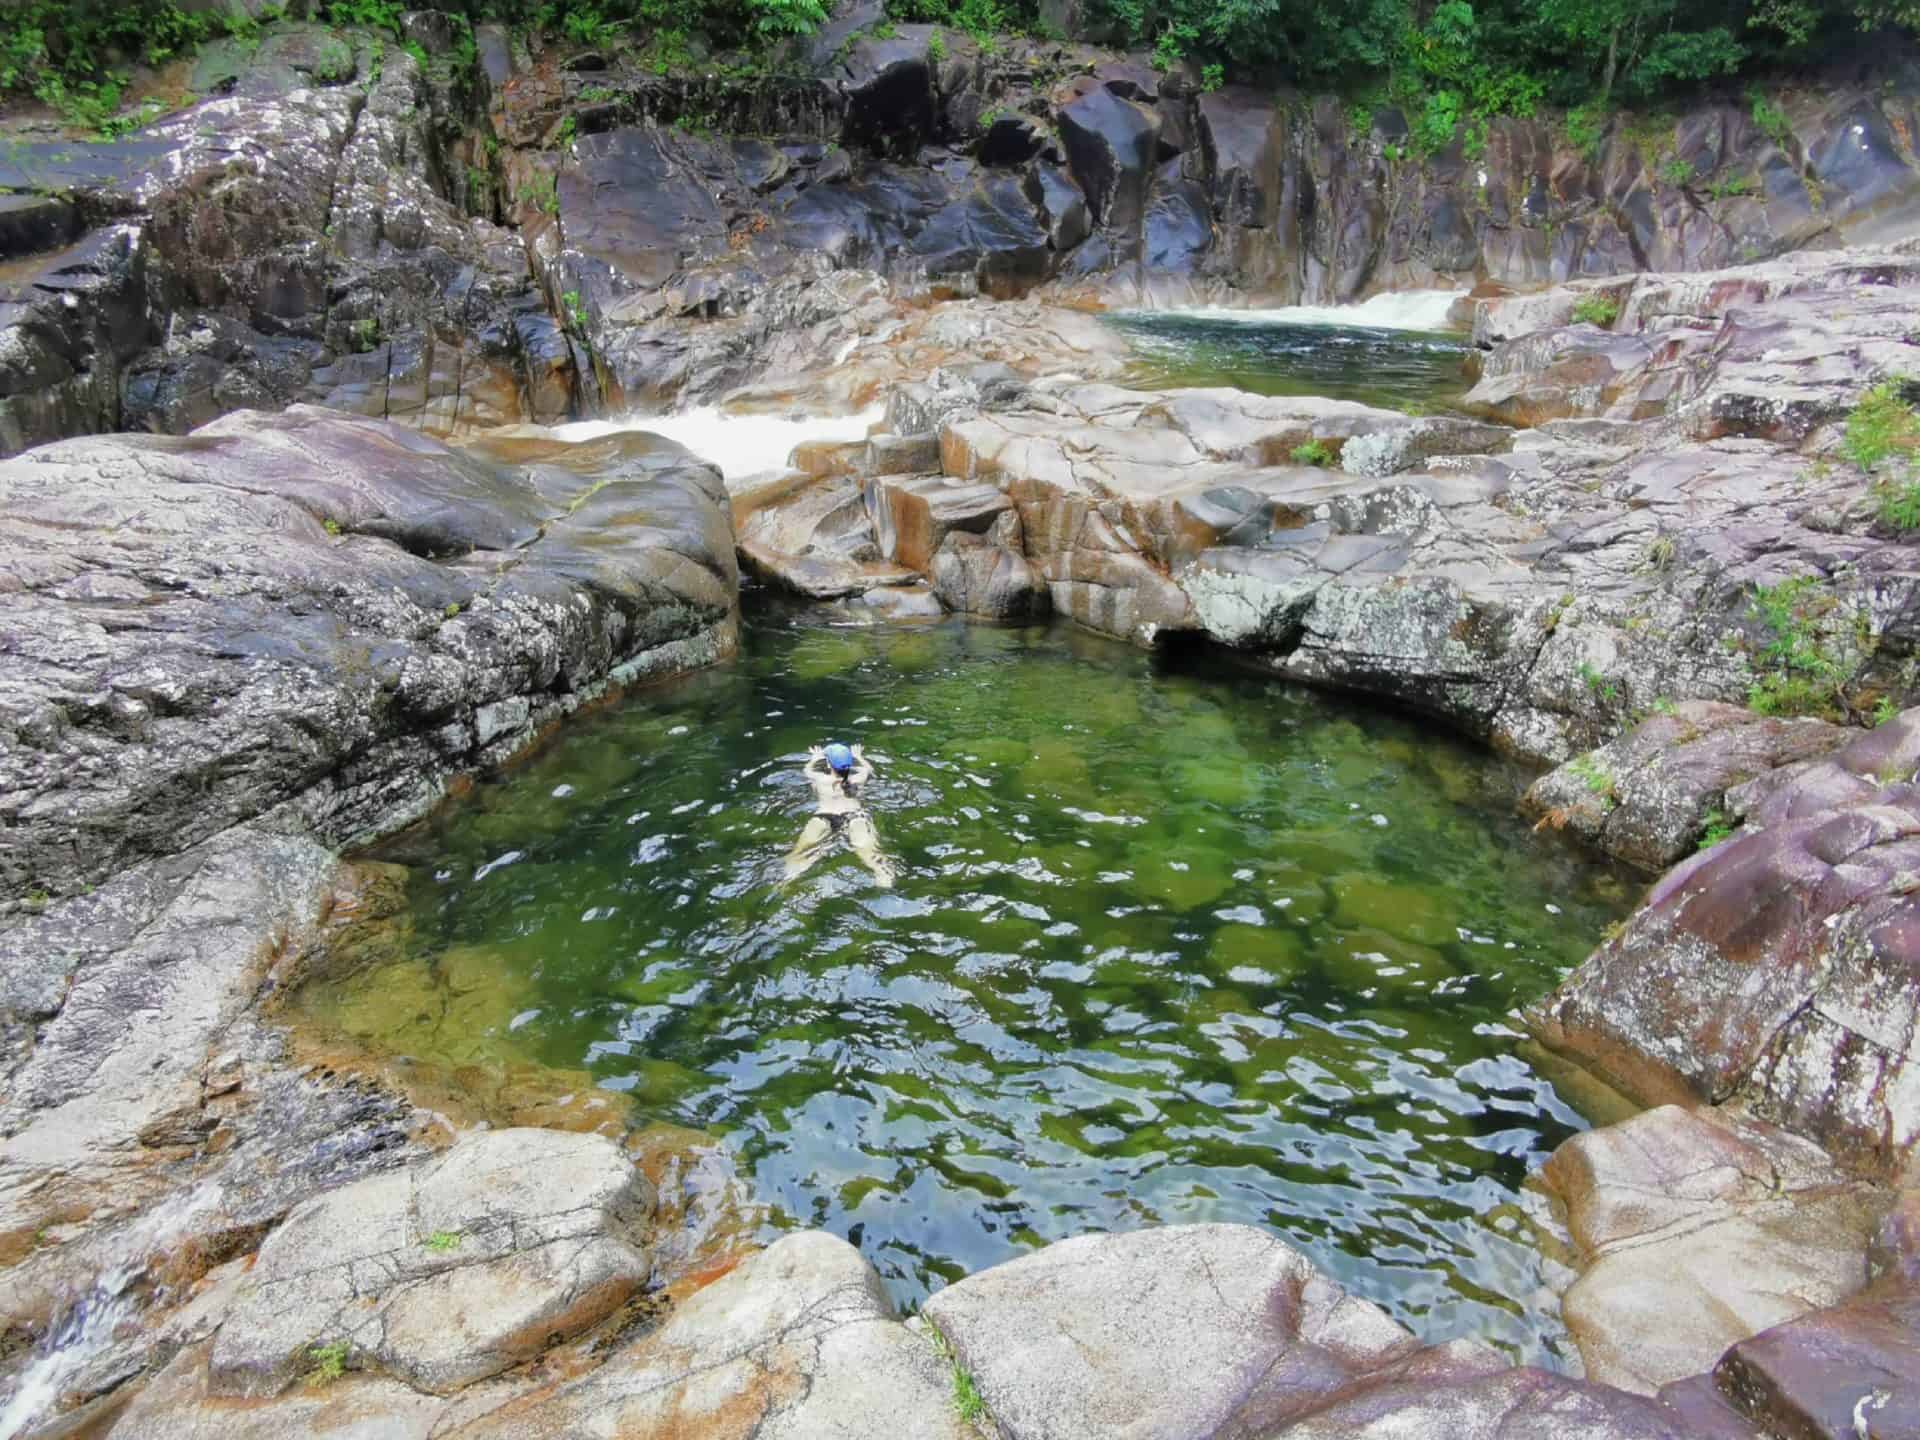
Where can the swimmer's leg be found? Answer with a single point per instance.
(864, 841)
(811, 845)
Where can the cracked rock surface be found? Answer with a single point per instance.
(797, 1343)
(445, 1273)
(322, 611)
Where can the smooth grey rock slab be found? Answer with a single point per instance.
(446, 1273)
(1182, 1331)
(798, 1343)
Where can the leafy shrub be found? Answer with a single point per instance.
(1881, 426)
(1795, 675)
(1313, 452)
(1601, 310)
(1769, 119)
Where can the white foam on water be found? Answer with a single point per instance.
(1403, 310)
(743, 446)
(86, 1331)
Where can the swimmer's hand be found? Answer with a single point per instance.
(818, 752)
(859, 752)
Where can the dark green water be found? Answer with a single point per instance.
(1167, 945)
(1411, 370)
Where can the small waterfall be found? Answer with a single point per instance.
(86, 1331)
(1402, 310)
(743, 446)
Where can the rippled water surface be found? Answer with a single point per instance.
(1166, 945)
(1269, 354)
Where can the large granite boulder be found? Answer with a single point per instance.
(1648, 796)
(797, 1342)
(1205, 1332)
(1694, 1230)
(1780, 966)
(311, 608)
(1188, 1330)
(444, 1274)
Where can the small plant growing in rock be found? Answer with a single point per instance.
(597, 94)
(1212, 77)
(1663, 705)
(576, 309)
(1660, 553)
(541, 194)
(1769, 119)
(1795, 676)
(1730, 187)
(1601, 310)
(453, 609)
(936, 47)
(331, 526)
(1313, 452)
(329, 1363)
(1676, 172)
(967, 1400)
(366, 334)
(1593, 774)
(443, 1241)
(1717, 828)
(1886, 709)
(334, 63)
(1881, 426)
(1598, 683)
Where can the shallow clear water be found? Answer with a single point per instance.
(1269, 354)
(1168, 944)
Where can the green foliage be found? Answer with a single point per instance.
(1881, 426)
(1586, 128)
(1717, 827)
(1313, 452)
(936, 47)
(1598, 684)
(1768, 118)
(1212, 77)
(329, 1363)
(563, 137)
(1676, 171)
(576, 309)
(1728, 187)
(1794, 675)
(1898, 504)
(443, 1241)
(1887, 709)
(1601, 310)
(540, 193)
(968, 1403)
(1663, 705)
(1592, 773)
(334, 63)
(366, 334)
(331, 526)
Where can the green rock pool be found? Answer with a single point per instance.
(1287, 353)
(1169, 942)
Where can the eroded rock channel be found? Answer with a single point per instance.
(1336, 1122)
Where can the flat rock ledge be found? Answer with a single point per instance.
(227, 656)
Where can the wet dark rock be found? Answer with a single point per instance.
(446, 584)
(1843, 1372)
(1111, 152)
(1780, 967)
(1647, 796)
(1062, 207)
(990, 234)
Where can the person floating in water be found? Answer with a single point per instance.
(836, 773)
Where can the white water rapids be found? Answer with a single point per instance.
(1402, 310)
(87, 1329)
(745, 447)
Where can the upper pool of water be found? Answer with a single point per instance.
(1298, 352)
(1166, 944)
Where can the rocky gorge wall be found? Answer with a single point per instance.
(489, 235)
(230, 652)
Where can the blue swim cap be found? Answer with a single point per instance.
(840, 757)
